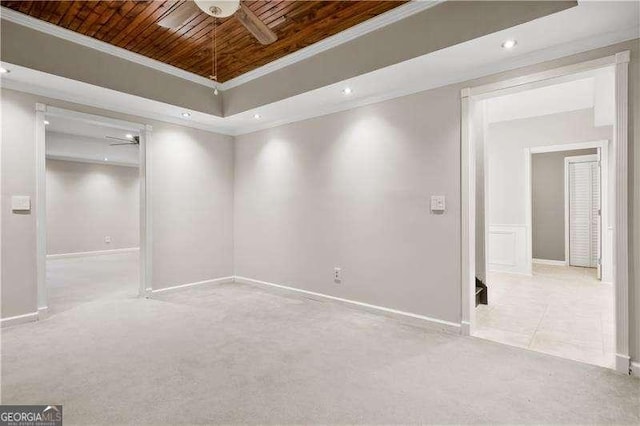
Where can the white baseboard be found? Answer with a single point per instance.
(635, 369)
(222, 280)
(550, 262)
(413, 319)
(19, 319)
(92, 253)
(43, 312)
(623, 364)
(465, 328)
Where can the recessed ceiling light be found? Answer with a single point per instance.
(509, 44)
(347, 90)
(106, 159)
(186, 114)
(257, 116)
(129, 136)
(4, 70)
(46, 122)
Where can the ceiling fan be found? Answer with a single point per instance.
(133, 140)
(182, 12)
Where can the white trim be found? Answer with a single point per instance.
(42, 111)
(370, 25)
(623, 364)
(547, 54)
(528, 187)
(41, 206)
(414, 319)
(223, 280)
(542, 55)
(635, 369)
(550, 262)
(92, 253)
(621, 229)
(89, 160)
(146, 236)
(43, 313)
(94, 119)
(373, 24)
(74, 37)
(569, 146)
(19, 319)
(539, 79)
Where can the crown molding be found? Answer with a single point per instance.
(83, 40)
(373, 24)
(352, 33)
(138, 110)
(536, 57)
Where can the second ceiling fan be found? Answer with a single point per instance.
(183, 12)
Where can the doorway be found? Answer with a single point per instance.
(583, 211)
(91, 210)
(482, 232)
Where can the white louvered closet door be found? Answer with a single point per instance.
(584, 214)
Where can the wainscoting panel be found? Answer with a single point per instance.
(507, 249)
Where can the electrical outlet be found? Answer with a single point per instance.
(337, 275)
(107, 239)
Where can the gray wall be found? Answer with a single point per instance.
(351, 189)
(547, 170)
(191, 195)
(87, 202)
(192, 205)
(505, 144)
(342, 193)
(36, 50)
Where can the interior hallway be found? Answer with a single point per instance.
(235, 353)
(74, 281)
(560, 310)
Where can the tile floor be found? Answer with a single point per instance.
(560, 310)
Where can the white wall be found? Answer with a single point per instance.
(352, 190)
(87, 202)
(505, 143)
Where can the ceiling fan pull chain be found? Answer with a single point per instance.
(214, 59)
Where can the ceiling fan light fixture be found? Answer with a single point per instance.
(218, 8)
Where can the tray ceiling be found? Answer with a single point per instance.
(133, 25)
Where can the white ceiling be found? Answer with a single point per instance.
(569, 96)
(77, 140)
(592, 89)
(72, 126)
(589, 25)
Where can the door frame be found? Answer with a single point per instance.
(619, 62)
(590, 158)
(603, 147)
(145, 131)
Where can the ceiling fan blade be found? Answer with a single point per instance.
(254, 25)
(179, 15)
(122, 143)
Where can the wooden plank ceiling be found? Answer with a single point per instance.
(133, 25)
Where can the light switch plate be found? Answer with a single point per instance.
(438, 203)
(20, 203)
